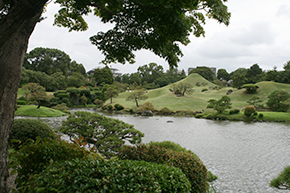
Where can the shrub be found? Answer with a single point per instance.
(112, 176)
(203, 90)
(22, 98)
(23, 129)
(147, 107)
(35, 156)
(165, 111)
(249, 110)
(234, 111)
(170, 146)
(283, 180)
(190, 164)
(21, 102)
(260, 115)
(118, 107)
(110, 107)
(61, 107)
(251, 88)
(99, 103)
(63, 95)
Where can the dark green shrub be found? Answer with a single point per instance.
(204, 89)
(249, 110)
(65, 100)
(118, 107)
(23, 129)
(63, 95)
(198, 115)
(99, 103)
(110, 107)
(22, 98)
(234, 111)
(59, 92)
(112, 176)
(190, 164)
(61, 107)
(55, 101)
(260, 115)
(255, 113)
(35, 156)
(283, 180)
(131, 111)
(251, 88)
(165, 111)
(169, 145)
(21, 102)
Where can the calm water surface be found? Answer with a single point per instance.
(244, 156)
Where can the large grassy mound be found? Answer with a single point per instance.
(162, 97)
(33, 111)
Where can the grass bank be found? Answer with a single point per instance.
(33, 111)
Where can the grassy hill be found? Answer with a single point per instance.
(162, 97)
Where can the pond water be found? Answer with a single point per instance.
(244, 156)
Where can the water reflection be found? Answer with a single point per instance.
(244, 156)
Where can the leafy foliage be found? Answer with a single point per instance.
(165, 111)
(182, 88)
(34, 156)
(147, 107)
(283, 180)
(23, 129)
(251, 88)
(106, 134)
(118, 107)
(248, 111)
(221, 104)
(35, 91)
(142, 25)
(109, 176)
(276, 101)
(205, 72)
(189, 163)
(111, 92)
(137, 95)
(254, 101)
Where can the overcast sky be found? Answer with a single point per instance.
(259, 32)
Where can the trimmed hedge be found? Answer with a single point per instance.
(34, 156)
(113, 176)
(189, 163)
(21, 102)
(23, 129)
(249, 110)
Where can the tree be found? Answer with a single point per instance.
(276, 101)
(76, 79)
(182, 88)
(103, 76)
(111, 92)
(254, 101)
(222, 74)
(254, 74)
(150, 72)
(221, 104)
(106, 134)
(138, 25)
(205, 72)
(137, 95)
(36, 91)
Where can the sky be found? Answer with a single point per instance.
(259, 33)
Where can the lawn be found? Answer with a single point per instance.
(33, 111)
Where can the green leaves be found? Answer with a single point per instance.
(221, 104)
(107, 135)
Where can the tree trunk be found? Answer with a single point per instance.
(15, 30)
(136, 100)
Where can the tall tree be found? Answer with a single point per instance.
(150, 72)
(103, 76)
(111, 92)
(222, 74)
(254, 74)
(35, 91)
(153, 25)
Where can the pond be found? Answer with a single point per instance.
(244, 156)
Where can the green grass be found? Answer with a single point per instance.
(197, 101)
(33, 111)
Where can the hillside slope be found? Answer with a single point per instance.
(162, 97)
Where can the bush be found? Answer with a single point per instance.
(283, 180)
(203, 90)
(23, 129)
(165, 111)
(118, 107)
(34, 156)
(21, 102)
(251, 88)
(63, 95)
(260, 115)
(99, 103)
(190, 164)
(62, 107)
(249, 110)
(170, 146)
(22, 98)
(110, 107)
(147, 107)
(234, 111)
(113, 176)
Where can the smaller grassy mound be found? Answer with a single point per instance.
(33, 111)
